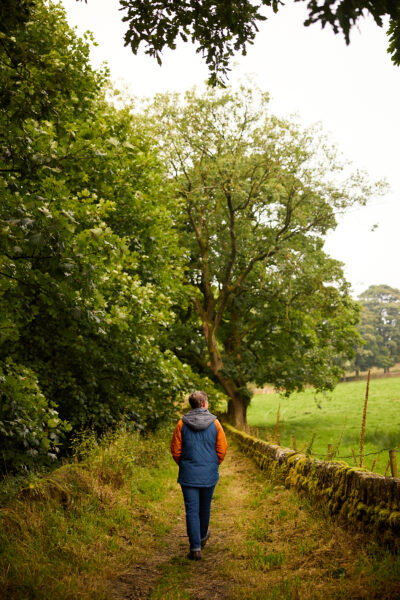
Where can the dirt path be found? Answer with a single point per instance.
(266, 543)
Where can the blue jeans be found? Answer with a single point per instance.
(198, 508)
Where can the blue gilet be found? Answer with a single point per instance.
(198, 465)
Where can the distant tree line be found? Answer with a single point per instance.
(380, 329)
(146, 253)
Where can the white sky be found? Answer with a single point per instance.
(354, 91)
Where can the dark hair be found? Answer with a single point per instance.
(197, 399)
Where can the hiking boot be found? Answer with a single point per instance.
(204, 541)
(194, 555)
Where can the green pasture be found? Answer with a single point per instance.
(335, 418)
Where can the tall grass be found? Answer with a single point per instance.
(68, 534)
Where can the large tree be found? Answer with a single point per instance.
(257, 195)
(220, 28)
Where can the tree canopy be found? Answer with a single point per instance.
(220, 28)
(257, 195)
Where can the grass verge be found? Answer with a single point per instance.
(69, 534)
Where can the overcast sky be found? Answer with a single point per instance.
(354, 91)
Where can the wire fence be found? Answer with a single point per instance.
(273, 437)
(368, 453)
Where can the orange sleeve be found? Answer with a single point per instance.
(221, 444)
(176, 442)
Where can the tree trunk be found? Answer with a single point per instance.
(237, 413)
(237, 403)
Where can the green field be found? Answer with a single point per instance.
(333, 416)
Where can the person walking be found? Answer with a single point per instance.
(198, 446)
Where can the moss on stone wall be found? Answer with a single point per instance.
(356, 496)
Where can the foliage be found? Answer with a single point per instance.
(380, 328)
(29, 426)
(257, 195)
(221, 28)
(90, 265)
(12, 13)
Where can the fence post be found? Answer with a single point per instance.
(364, 419)
(294, 442)
(393, 463)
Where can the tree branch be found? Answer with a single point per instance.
(225, 292)
(22, 282)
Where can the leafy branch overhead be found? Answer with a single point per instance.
(220, 28)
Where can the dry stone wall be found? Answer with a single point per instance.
(356, 496)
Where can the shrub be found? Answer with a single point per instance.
(30, 428)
